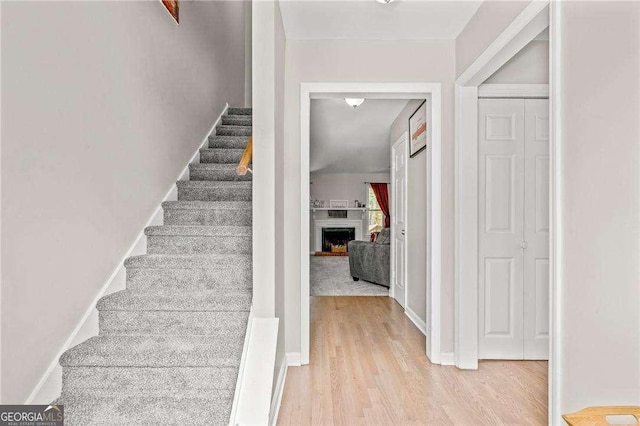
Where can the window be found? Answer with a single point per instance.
(376, 218)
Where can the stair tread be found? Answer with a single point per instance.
(157, 351)
(222, 301)
(186, 261)
(213, 183)
(239, 111)
(207, 205)
(213, 166)
(197, 230)
(185, 407)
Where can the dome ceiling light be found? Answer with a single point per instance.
(354, 102)
(384, 1)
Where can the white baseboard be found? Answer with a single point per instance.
(294, 359)
(447, 358)
(49, 386)
(278, 391)
(422, 326)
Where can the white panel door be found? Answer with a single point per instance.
(398, 218)
(500, 215)
(536, 229)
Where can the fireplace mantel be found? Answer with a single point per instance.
(335, 223)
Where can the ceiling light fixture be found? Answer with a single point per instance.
(354, 102)
(384, 1)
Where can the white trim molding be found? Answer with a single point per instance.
(527, 91)
(255, 383)
(293, 359)
(50, 384)
(276, 400)
(447, 358)
(556, 213)
(373, 90)
(416, 320)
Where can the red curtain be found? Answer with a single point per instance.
(382, 195)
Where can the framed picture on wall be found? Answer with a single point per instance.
(418, 130)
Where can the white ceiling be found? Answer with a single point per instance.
(370, 20)
(348, 140)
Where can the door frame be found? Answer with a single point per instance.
(525, 27)
(379, 90)
(403, 138)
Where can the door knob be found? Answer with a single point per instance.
(523, 245)
(403, 232)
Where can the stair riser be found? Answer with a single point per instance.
(208, 217)
(218, 175)
(214, 194)
(166, 280)
(181, 244)
(172, 322)
(236, 120)
(146, 410)
(239, 111)
(228, 142)
(233, 131)
(160, 380)
(221, 156)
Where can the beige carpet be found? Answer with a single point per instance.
(329, 276)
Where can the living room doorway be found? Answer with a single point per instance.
(360, 255)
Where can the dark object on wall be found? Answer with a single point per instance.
(418, 130)
(337, 214)
(173, 7)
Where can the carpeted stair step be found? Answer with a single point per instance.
(215, 213)
(220, 155)
(209, 300)
(174, 239)
(186, 408)
(239, 111)
(222, 130)
(213, 191)
(216, 172)
(228, 142)
(153, 363)
(236, 120)
(215, 323)
(161, 273)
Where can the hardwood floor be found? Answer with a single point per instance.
(368, 367)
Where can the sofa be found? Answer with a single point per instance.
(371, 261)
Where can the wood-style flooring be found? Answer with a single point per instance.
(368, 367)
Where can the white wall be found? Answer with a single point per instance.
(348, 61)
(600, 288)
(103, 104)
(491, 19)
(344, 186)
(529, 66)
(416, 225)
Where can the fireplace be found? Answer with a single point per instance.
(336, 240)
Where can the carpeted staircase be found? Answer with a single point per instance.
(170, 345)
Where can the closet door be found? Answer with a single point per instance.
(536, 229)
(501, 228)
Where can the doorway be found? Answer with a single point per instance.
(406, 91)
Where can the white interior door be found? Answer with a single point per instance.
(398, 218)
(500, 215)
(513, 229)
(536, 229)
